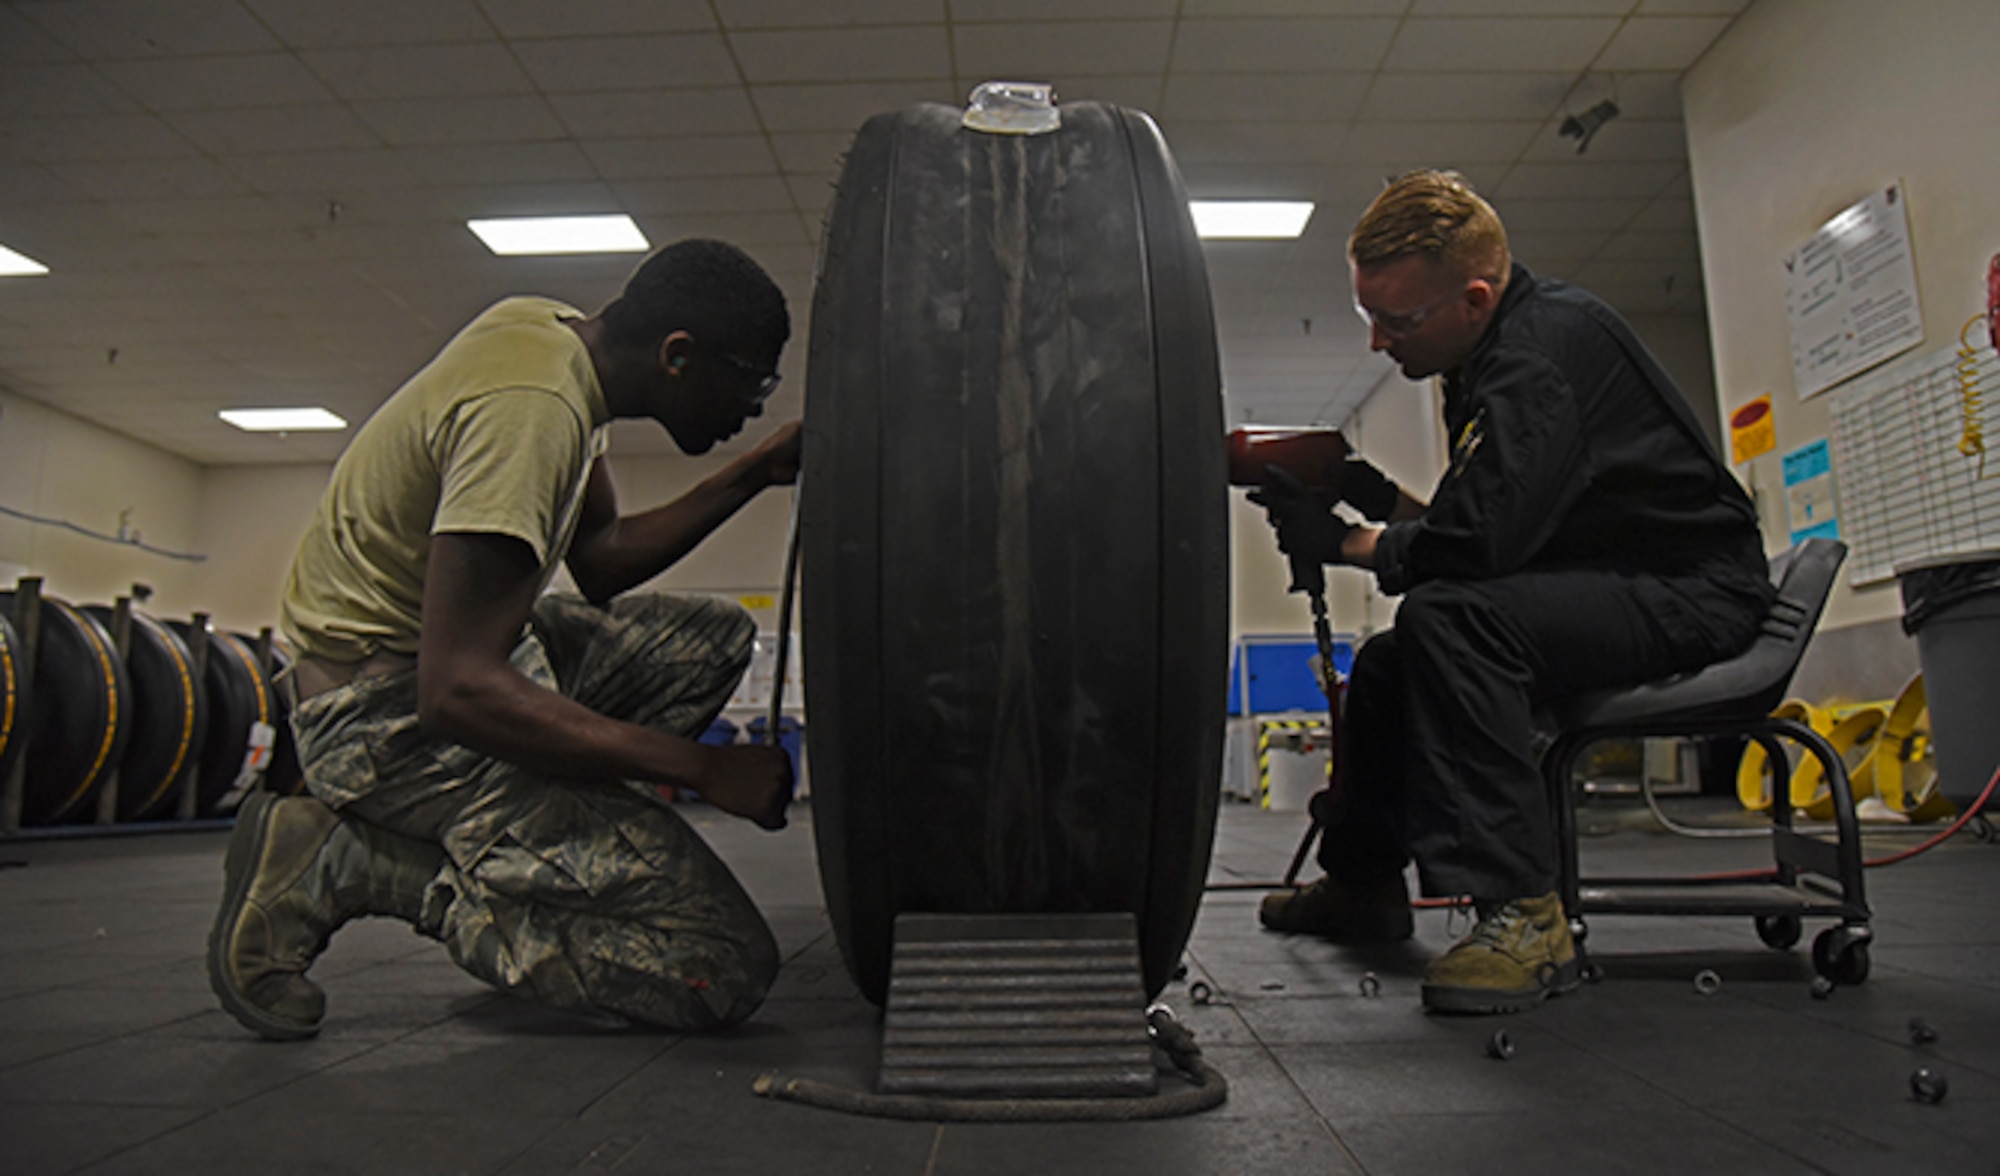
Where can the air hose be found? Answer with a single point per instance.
(1200, 1088)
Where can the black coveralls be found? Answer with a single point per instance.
(1586, 535)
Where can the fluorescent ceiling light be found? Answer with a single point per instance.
(1250, 219)
(281, 420)
(514, 235)
(19, 265)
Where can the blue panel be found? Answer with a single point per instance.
(1280, 674)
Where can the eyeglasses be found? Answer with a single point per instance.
(1401, 326)
(764, 383)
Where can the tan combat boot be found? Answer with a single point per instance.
(1518, 954)
(295, 872)
(1376, 913)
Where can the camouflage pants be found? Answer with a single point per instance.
(587, 895)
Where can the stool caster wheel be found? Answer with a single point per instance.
(1841, 954)
(1780, 932)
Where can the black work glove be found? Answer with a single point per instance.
(1307, 527)
(1368, 490)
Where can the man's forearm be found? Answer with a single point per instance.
(502, 713)
(637, 547)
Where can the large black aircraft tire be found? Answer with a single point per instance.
(13, 698)
(167, 715)
(239, 698)
(1015, 537)
(81, 703)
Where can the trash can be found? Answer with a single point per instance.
(1951, 605)
(721, 733)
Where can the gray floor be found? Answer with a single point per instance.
(114, 1057)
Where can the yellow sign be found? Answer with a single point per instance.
(1752, 430)
(756, 602)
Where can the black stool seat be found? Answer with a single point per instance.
(1732, 699)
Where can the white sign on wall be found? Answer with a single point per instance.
(1851, 293)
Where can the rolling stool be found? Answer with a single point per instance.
(1734, 698)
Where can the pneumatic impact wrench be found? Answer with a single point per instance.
(1316, 457)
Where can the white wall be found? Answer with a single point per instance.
(247, 521)
(58, 467)
(1802, 108)
(251, 520)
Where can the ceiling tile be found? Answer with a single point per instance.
(1037, 51)
(1539, 250)
(1521, 7)
(1621, 140)
(749, 230)
(316, 24)
(811, 151)
(1692, 7)
(1675, 248)
(513, 118)
(22, 42)
(1471, 96)
(1244, 142)
(1310, 45)
(418, 71)
(214, 83)
(56, 91)
(539, 18)
(766, 193)
(581, 198)
(1593, 182)
(1661, 42)
(1527, 43)
(680, 156)
(1245, 8)
(319, 127)
(964, 12)
(812, 194)
(324, 171)
(1450, 144)
(1325, 97)
(1668, 212)
(1547, 215)
(1643, 95)
(204, 214)
(755, 14)
(843, 105)
(110, 136)
(1139, 92)
(189, 176)
(500, 164)
(580, 64)
(1231, 181)
(104, 30)
(913, 52)
(712, 110)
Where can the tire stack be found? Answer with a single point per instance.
(149, 720)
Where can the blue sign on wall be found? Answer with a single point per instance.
(1268, 675)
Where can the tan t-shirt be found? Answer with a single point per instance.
(497, 434)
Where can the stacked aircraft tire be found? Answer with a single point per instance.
(13, 698)
(240, 698)
(166, 716)
(78, 703)
(1014, 533)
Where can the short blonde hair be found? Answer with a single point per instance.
(1433, 214)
